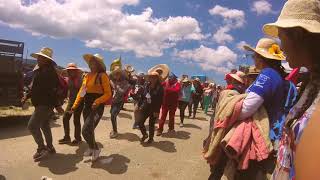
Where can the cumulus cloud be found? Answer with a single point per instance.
(241, 44)
(219, 60)
(101, 24)
(232, 19)
(261, 7)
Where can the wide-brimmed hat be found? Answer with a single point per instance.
(44, 52)
(97, 57)
(129, 68)
(185, 80)
(297, 13)
(161, 69)
(267, 48)
(72, 66)
(239, 75)
(253, 71)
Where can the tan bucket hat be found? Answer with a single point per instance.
(161, 69)
(297, 13)
(97, 57)
(267, 48)
(44, 52)
(253, 71)
(239, 75)
(72, 66)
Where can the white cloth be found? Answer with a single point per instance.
(250, 105)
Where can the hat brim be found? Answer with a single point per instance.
(262, 53)
(89, 57)
(163, 67)
(272, 29)
(36, 55)
(234, 76)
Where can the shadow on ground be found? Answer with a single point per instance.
(191, 126)
(12, 127)
(178, 135)
(114, 164)
(2, 177)
(128, 136)
(125, 115)
(60, 164)
(166, 146)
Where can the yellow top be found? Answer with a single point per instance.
(90, 86)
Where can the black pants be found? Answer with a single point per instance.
(76, 121)
(91, 119)
(152, 121)
(182, 106)
(218, 169)
(114, 111)
(195, 105)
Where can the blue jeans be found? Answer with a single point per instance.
(40, 119)
(115, 110)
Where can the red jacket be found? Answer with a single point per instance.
(171, 94)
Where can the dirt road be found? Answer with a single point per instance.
(169, 157)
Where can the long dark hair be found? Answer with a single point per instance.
(276, 65)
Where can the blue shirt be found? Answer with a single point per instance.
(186, 92)
(271, 87)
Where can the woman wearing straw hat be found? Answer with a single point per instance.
(74, 84)
(150, 104)
(251, 75)
(95, 91)
(120, 87)
(44, 97)
(184, 98)
(298, 28)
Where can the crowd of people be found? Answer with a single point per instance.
(258, 119)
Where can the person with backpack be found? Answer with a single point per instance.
(120, 87)
(74, 84)
(44, 96)
(94, 92)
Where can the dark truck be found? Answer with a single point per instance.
(11, 72)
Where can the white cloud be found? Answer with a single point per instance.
(101, 24)
(232, 19)
(241, 44)
(218, 60)
(261, 7)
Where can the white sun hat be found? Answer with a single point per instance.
(297, 13)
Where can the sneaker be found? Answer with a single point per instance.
(144, 137)
(95, 154)
(37, 154)
(76, 142)
(43, 154)
(65, 141)
(135, 127)
(150, 141)
(51, 150)
(181, 124)
(113, 135)
(88, 153)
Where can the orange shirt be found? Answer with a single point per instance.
(90, 86)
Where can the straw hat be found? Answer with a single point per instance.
(116, 69)
(72, 66)
(129, 68)
(185, 80)
(253, 71)
(153, 73)
(97, 57)
(161, 69)
(44, 52)
(267, 48)
(238, 76)
(197, 79)
(297, 13)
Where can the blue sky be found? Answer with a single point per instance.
(191, 36)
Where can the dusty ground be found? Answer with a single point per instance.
(169, 157)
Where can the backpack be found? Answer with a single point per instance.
(62, 89)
